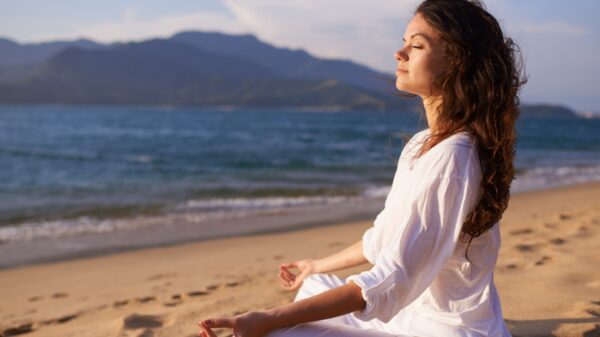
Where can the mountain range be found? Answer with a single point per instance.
(194, 68)
(190, 68)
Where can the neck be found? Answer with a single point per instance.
(432, 104)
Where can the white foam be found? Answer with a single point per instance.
(190, 212)
(259, 203)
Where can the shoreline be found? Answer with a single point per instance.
(42, 251)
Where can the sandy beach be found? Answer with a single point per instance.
(548, 277)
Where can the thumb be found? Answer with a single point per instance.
(218, 323)
(288, 265)
(299, 280)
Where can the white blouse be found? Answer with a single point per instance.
(421, 284)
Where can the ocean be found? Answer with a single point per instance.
(68, 171)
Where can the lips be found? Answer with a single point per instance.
(398, 70)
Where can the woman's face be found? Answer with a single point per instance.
(420, 60)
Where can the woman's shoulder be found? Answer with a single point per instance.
(455, 156)
(413, 145)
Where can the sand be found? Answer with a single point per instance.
(548, 277)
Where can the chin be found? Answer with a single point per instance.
(404, 88)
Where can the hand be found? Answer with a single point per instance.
(291, 281)
(250, 324)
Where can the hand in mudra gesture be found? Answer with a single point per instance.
(291, 281)
(250, 324)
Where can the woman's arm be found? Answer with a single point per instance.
(346, 258)
(331, 303)
(349, 257)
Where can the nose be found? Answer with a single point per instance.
(401, 55)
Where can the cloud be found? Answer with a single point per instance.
(364, 31)
(130, 27)
(556, 27)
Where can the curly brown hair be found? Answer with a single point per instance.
(479, 93)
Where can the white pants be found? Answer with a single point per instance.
(340, 326)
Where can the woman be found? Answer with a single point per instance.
(434, 245)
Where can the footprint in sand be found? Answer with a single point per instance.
(35, 298)
(525, 248)
(18, 329)
(278, 257)
(135, 321)
(564, 216)
(212, 287)
(145, 299)
(510, 266)
(117, 304)
(61, 320)
(543, 260)
(521, 231)
(176, 299)
(197, 293)
(232, 284)
(60, 295)
(336, 244)
(558, 241)
(550, 225)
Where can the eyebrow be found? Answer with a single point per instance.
(418, 34)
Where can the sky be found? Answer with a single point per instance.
(559, 40)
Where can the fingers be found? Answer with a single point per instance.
(298, 280)
(289, 280)
(206, 332)
(298, 283)
(218, 323)
(287, 285)
(286, 275)
(207, 324)
(292, 285)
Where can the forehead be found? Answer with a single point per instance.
(419, 27)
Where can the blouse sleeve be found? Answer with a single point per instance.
(425, 241)
(368, 245)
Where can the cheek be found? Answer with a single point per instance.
(429, 69)
(424, 70)
(437, 64)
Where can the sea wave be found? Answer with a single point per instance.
(199, 211)
(195, 211)
(554, 176)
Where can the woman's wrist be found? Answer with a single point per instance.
(317, 266)
(271, 319)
